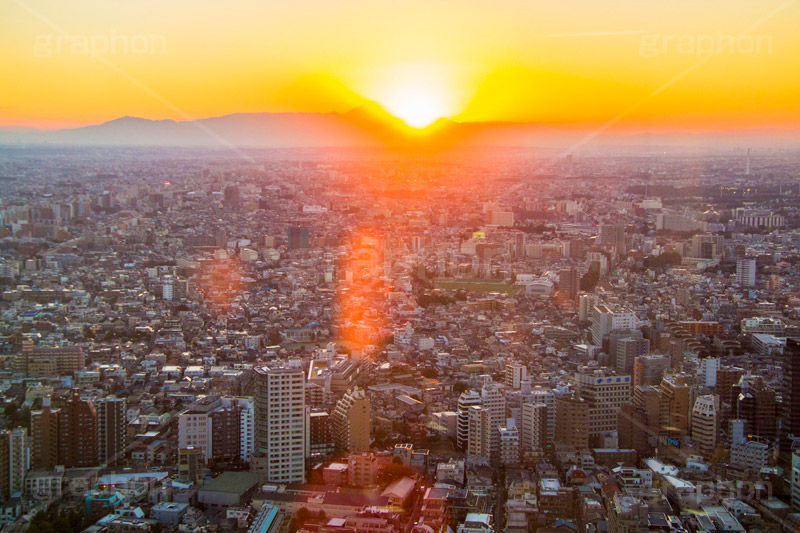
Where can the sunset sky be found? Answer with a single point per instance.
(574, 64)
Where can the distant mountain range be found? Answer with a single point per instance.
(365, 126)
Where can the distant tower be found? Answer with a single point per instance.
(747, 166)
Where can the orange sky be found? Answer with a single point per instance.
(570, 63)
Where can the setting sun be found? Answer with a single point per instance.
(418, 108)
(417, 94)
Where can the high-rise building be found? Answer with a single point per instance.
(533, 426)
(509, 444)
(194, 431)
(706, 246)
(190, 464)
(655, 407)
(628, 349)
(613, 236)
(231, 196)
(746, 272)
(5, 489)
(351, 422)
(298, 238)
(485, 421)
(225, 431)
(727, 377)
(280, 423)
(320, 437)
(604, 393)
(755, 404)
(586, 303)
(606, 319)
(112, 430)
(632, 429)
(547, 397)
(18, 459)
(705, 423)
(790, 406)
(515, 373)
(14, 461)
(568, 283)
(677, 394)
(465, 401)
(649, 369)
(572, 422)
(795, 480)
(247, 415)
(44, 436)
(77, 432)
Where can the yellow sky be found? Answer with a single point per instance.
(570, 63)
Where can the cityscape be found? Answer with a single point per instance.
(363, 302)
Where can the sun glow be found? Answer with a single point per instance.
(416, 106)
(417, 94)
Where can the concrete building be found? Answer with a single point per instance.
(515, 373)
(351, 422)
(533, 426)
(604, 394)
(280, 423)
(705, 423)
(572, 422)
(465, 401)
(746, 272)
(606, 319)
(112, 431)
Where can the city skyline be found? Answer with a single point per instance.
(649, 68)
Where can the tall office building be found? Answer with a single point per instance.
(247, 416)
(790, 407)
(632, 429)
(298, 238)
(280, 423)
(568, 284)
(649, 369)
(44, 436)
(533, 426)
(755, 404)
(77, 432)
(351, 421)
(320, 437)
(654, 407)
(676, 392)
(112, 430)
(5, 490)
(705, 423)
(572, 422)
(465, 401)
(628, 349)
(746, 272)
(586, 303)
(613, 236)
(225, 432)
(604, 393)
